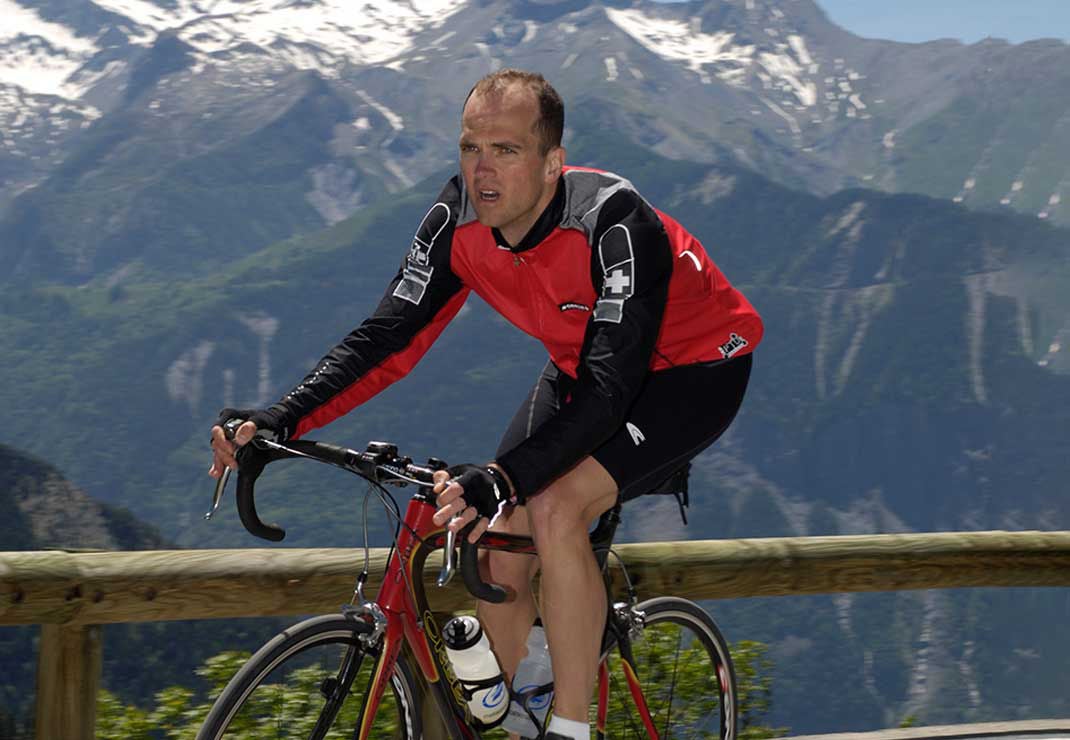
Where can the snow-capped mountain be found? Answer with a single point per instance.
(118, 94)
(49, 47)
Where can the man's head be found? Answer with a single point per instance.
(511, 154)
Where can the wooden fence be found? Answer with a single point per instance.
(71, 594)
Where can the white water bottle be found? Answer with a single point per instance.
(533, 673)
(477, 669)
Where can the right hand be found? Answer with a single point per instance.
(468, 493)
(223, 449)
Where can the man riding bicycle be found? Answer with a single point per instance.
(650, 353)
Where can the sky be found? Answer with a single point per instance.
(966, 20)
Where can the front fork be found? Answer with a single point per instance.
(385, 656)
(626, 624)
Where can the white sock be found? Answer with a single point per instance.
(569, 728)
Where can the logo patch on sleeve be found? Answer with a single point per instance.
(418, 269)
(618, 273)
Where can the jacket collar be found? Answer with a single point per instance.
(549, 220)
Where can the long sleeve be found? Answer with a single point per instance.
(418, 304)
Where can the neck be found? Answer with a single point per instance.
(515, 233)
(545, 215)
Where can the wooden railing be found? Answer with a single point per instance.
(71, 594)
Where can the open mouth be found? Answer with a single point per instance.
(489, 196)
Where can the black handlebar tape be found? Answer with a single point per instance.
(479, 588)
(330, 453)
(251, 462)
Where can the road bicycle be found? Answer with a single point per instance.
(665, 670)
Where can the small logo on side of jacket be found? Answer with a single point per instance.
(637, 435)
(734, 344)
(574, 307)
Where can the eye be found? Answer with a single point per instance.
(506, 150)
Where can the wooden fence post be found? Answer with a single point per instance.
(68, 676)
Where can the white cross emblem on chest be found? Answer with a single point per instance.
(618, 281)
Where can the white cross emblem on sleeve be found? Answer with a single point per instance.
(618, 282)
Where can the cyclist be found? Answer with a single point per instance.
(650, 354)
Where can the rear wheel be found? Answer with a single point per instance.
(311, 681)
(681, 664)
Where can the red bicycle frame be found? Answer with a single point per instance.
(401, 598)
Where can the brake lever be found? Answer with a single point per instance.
(218, 495)
(229, 430)
(449, 567)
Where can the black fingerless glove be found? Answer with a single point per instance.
(266, 420)
(485, 489)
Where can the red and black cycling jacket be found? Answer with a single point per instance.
(610, 286)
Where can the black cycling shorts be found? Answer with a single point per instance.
(679, 412)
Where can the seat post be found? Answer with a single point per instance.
(602, 535)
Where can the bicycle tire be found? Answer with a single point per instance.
(253, 705)
(683, 664)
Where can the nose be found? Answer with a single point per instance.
(484, 164)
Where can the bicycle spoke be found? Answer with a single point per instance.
(672, 690)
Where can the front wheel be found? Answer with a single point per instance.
(311, 681)
(678, 662)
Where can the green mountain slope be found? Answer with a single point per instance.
(177, 197)
(907, 381)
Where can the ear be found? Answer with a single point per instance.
(555, 160)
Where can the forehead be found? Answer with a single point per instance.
(512, 111)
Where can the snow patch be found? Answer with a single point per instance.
(369, 32)
(798, 45)
(787, 69)
(396, 122)
(677, 41)
(611, 69)
(38, 55)
(20, 21)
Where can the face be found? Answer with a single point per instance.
(509, 181)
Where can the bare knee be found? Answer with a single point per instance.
(568, 505)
